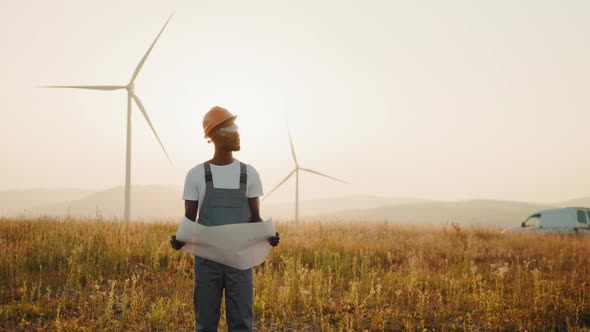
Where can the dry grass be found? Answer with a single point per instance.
(69, 275)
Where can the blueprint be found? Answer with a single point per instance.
(240, 246)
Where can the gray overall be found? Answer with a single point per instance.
(222, 207)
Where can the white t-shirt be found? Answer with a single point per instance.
(226, 177)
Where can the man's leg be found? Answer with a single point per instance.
(238, 299)
(207, 294)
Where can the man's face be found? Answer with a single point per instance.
(227, 137)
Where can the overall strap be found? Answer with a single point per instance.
(208, 174)
(243, 177)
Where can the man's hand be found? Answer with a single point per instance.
(175, 243)
(274, 240)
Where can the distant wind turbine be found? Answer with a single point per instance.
(130, 87)
(296, 172)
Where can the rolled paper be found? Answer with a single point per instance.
(240, 246)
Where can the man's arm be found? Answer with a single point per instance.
(254, 209)
(190, 211)
(254, 203)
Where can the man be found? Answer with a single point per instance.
(223, 191)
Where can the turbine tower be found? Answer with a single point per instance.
(130, 87)
(296, 171)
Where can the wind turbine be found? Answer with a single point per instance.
(296, 172)
(130, 87)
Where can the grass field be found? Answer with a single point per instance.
(72, 275)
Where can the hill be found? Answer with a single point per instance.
(583, 201)
(328, 206)
(15, 202)
(165, 202)
(470, 212)
(147, 202)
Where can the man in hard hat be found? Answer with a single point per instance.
(224, 191)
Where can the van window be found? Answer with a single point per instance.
(582, 217)
(533, 221)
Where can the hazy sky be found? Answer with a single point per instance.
(430, 99)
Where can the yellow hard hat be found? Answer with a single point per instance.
(215, 116)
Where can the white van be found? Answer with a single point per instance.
(567, 220)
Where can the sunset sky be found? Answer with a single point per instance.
(428, 99)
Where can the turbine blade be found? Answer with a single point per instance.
(320, 174)
(292, 149)
(278, 185)
(89, 87)
(138, 68)
(147, 118)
